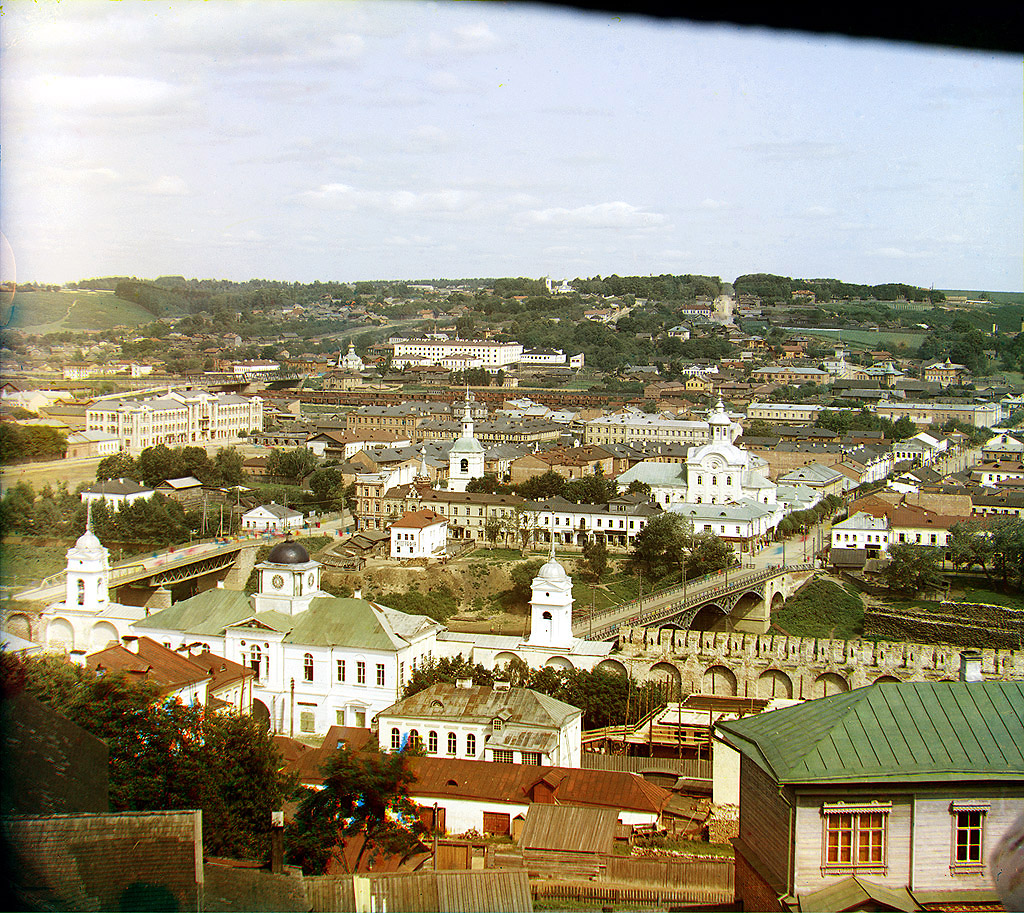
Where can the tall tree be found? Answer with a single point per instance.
(913, 569)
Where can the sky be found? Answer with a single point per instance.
(302, 140)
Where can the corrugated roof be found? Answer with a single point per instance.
(853, 892)
(456, 778)
(569, 828)
(207, 613)
(454, 892)
(902, 732)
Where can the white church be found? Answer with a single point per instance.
(320, 660)
(466, 458)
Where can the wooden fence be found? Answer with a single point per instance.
(691, 768)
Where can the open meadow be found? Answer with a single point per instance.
(55, 312)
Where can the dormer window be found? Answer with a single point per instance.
(496, 724)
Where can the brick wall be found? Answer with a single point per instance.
(128, 861)
(752, 891)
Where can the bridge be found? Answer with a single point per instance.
(736, 600)
(161, 570)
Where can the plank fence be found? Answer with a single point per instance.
(691, 768)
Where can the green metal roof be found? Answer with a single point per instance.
(853, 892)
(207, 613)
(334, 621)
(898, 731)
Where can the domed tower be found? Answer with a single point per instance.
(551, 606)
(88, 573)
(288, 580)
(466, 458)
(720, 424)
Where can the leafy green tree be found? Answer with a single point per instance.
(291, 465)
(362, 794)
(595, 561)
(492, 528)
(913, 569)
(707, 554)
(1008, 550)
(658, 547)
(228, 467)
(969, 545)
(448, 670)
(489, 483)
(522, 579)
(117, 466)
(592, 489)
(547, 485)
(638, 487)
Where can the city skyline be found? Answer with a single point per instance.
(303, 141)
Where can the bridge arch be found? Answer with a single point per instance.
(60, 633)
(778, 600)
(613, 666)
(774, 683)
(103, 632)
(829, 683)
(719, 680)
(559, 662)
(711, 617)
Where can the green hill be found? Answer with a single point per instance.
(54, 312)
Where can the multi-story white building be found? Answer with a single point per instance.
(422, 351)
(419, 534)
(633, 425)
(176, 419)
(784, 413)
(978, 415)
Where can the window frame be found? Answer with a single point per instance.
(507, 756)
(860, 826)
(453, 743)
(307, 667)
(967, 808)
(360, 672)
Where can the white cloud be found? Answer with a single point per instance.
(600, 215)
(897, 253)
(348, 198)
(106, 96)
(818, 212)
(714, 204)
(473, 38)
(167, 185)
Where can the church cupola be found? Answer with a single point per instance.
(88, 571)
(466, 458)
(720, 424)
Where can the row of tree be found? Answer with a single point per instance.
(21, 443)
(159, 463)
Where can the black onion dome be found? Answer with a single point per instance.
(288, 552)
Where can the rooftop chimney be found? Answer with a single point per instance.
(464, 683)
(501, 685)
(970, 666)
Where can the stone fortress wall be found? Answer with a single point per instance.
(782, 666)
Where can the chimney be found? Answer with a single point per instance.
(970, 666)
(501, 685)
(131, 643)
(464, 683)
(358, 594)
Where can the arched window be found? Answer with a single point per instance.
(546, 616)
(414, 739)
(453, 745)
(255, 659)
(471, 745)
(307, 667)
(396, 740)
(81, 592)
(700, 480)
(496, 724)
(432, 742)
(714, 480)
(464, 466)
(728, 480)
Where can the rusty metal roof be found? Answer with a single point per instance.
(456, 778)
(569, 828)
(481, 703)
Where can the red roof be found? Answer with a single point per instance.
(418, 519)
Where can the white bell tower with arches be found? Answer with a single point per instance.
(88, 571)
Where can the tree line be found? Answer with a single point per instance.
(159, 463)
(22, 443)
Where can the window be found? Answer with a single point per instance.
(496, 724)
(360, 673)
(453, 744)
(531, 757)
(307, 667)
(471, 745)
(432, 742)
(503, 756)
(855, 837)
(360, 719)
(341, 670)
(255, 659)
(307, 721)
(414, 739)
(380, 675)
(968, 850)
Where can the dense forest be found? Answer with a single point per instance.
(779, 289)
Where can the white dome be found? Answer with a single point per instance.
(552, 571)
(88, 541)
(467, 445)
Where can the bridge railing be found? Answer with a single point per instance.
(691, 599)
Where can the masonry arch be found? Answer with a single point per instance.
(103, 632)
(669, 678)
(503, 659)
(718, 680)
(60, 634)
(19, 625)
(711, 617)
(829, 683)
(613, 666)
(774, 683)
(882, 679)
(558, 662)
(778, 601)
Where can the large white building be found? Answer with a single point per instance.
(434, 351)
(634, 425)
(176, 419)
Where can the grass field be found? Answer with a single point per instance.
(27, 563)
(821, 608)
(52, 312)
(870, 338)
